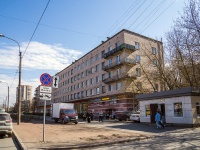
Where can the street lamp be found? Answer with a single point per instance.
(8, 94)
(19, 85)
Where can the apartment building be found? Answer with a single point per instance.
(26, 97)
(108, 77)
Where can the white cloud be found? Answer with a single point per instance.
(38, 56)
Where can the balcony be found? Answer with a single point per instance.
(126, 61)
(119, 77)
(118, 49)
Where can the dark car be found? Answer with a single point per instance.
(123, 116)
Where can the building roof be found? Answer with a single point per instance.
(170, 93)
(123, 30)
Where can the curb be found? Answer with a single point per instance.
(19, 141)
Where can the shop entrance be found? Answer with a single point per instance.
(153, 109)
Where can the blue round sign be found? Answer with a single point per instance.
(46, 79)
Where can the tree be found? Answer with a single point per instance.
(183, 47)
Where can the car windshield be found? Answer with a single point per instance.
(69, 111)
(4, 117)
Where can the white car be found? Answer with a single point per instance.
(135, 117)
(5, 123)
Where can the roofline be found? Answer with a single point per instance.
(123, 30)
(189, 91)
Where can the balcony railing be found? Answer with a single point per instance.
(121, 62)
(119, 48)
(118, 77)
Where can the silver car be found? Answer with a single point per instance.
(5, 123)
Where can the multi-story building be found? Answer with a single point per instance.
(108, 77)
(26, 97)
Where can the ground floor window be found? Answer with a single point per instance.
(178, 110)
(147, 110)
(198, 109)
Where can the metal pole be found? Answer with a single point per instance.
(19, 89)
(8, 99)
(44, 111)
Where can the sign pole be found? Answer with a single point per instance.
(44, 121)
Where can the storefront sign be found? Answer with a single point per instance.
(105, 98)
(121, 96)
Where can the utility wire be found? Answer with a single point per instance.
(59, 28)
(140, 14)
(158, 6)
(158, 16)
(35, 29)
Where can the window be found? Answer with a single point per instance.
(103, 89)
(110, 62)
(71, 71)
(119, 85)
(147, 110)
(118, 71)
(102, 54)
(82, 74)
(138, 72)
(198, 109)
(92, 92)
(92, 60)
(178, 111)
(103, 64)
(78, 85)
(137, 45)
(139, 85)
(87, 82)
(110, 74)
(138, 58)
(97, 67)
(82, 84)
(82, 65)
(109, 48)
(79, 67)
(92, 70)
(118, 59)
(110, 87)
(155, 87)
(87, 93)
(97, 90)
(97, 57)
(153, 50)
(91, 81)
(82, 94)
(87, 63)
(117, 44)
(97, 79)
(103, 76)
(154, 62)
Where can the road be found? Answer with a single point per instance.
(169, 138)
(7, 143)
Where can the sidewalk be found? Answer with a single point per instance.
(69, 136)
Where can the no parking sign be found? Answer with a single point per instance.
(46, 79)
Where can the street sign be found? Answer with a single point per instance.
(45, 89)
(46, 79)
(55, 81)
(45, 96)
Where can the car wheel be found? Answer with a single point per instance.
(119, 119)
(56, 120)
(75, 122)
(63, 121)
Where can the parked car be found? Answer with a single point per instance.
(5, 123)
(135, 116)
(123, 116)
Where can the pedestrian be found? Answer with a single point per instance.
(101, 117)
(113, 114)
(161, 123)
(88, 117)
(157, 119)
(92, 116)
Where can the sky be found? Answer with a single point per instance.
(52, 34)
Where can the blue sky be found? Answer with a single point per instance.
(68, 30)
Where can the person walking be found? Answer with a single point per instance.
(161, 122)
(157, 119)
(101, 117)
(88, 117)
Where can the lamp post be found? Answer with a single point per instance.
(8, 95)
(19, 85)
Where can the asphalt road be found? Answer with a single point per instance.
(7, 143)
